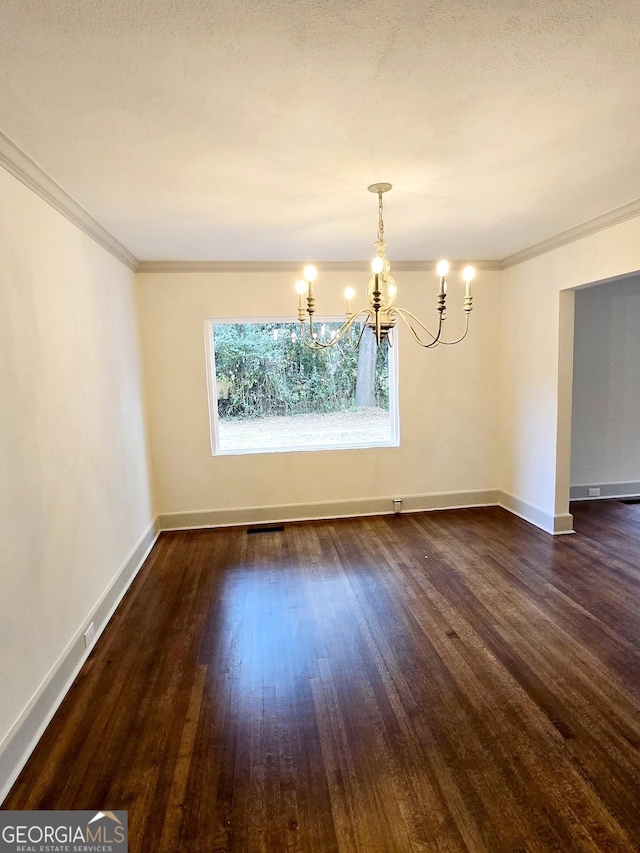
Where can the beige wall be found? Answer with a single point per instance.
(74, 492)
(536, 372)
(448, 401)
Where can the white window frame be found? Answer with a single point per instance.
(394, 438)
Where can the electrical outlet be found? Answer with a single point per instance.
(89, 635)
(594, 493)
(397, 505)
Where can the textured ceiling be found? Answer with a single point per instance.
(237, 130)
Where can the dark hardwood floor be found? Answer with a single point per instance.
(447, 681)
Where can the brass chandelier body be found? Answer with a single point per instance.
(381, 313)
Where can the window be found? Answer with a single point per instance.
(269, 392)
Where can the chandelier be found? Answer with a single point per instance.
(381, 313)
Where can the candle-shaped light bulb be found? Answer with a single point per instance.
(467, 274)
(348, 295)
(310, 273)
(377, 265)
(443, 268)
(301, 287)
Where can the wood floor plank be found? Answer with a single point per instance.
(446, 682)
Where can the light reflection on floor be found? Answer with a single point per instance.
(273, 626)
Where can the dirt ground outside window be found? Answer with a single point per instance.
(362, 426)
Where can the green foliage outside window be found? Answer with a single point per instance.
(264, 369)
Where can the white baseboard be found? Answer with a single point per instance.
(554, 524)
(28, 729)
(630, 489)
(322, 510)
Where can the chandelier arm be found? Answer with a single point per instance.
(368, 314)
(310, 343)
(435, 339)
(407, 313)
(314, 344)
(462, 337)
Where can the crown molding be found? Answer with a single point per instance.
(16, 161)
(295, 267)
(591, 226)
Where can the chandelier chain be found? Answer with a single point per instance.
(380, 222)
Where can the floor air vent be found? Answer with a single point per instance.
(631, 501)
(268, 528)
